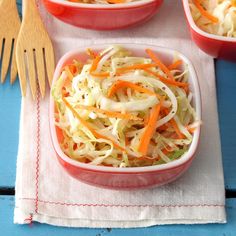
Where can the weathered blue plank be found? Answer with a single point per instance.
(9, 229)
(226, 92)
(19, 6)
(9, 128)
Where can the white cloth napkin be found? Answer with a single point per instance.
(45, 193)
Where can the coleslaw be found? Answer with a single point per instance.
(122, 110)
(215, 16)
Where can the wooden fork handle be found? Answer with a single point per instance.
(8, 3)
(30, 8)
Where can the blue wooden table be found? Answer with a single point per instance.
(9, 127)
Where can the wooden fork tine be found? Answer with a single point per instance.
(6, 59)
(41, 61)
(9, 28)
(50, 62)
(32, 72)
(21, 65)
(41, 73)
(13, 66)
(1, 43)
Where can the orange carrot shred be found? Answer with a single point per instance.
(167, 81)
(115, 1)
(101, 75)
(125, 84)
(74, 0)
(149, 129)
(190, 129)
(69, 73)
(175, 126)
(165, 151)
(146, 119)
(162, 66)
(91, 53)
(85, 123)
(205, 13)
(146, 158)
(175, 65)
(95, 63)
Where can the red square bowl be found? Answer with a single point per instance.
(131, 177)
(214, 45)
(103, 16)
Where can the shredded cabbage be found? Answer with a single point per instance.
(103, 129)
(223, 10)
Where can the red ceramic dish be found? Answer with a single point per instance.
(103, 17)
(131, 177)
(214, 45)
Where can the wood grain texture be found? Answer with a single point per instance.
(9, 229)
(10, 26)
(33, 46)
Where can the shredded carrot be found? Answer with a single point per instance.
(85, 123)
(127, 141)
(206, 14)
(101, 75)
(176, 128)
(190, 129)
(69, 73)
(73, 69)
(165, 151)
(66, 83)
(112, 114)
(233, 2)
(91, 53)
(146, 158)
(149, 129)
(167, 81)
(115, 1)
(95, 63)
(74, 0)
(146, 119)
(125, 84)
(175, 65)
(186, 89)
(174, 125)
(162, 66)
(146, 67)
(94, 67)
(134, 67)
(163, 128)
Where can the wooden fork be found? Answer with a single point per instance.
(9, 29)
(34, 51)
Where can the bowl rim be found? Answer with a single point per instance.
(103, 6)
(200, 31)
(132, 46)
